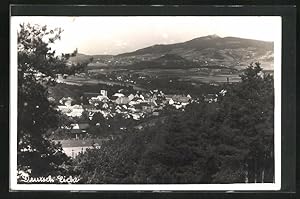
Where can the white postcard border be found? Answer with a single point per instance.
(13, 105)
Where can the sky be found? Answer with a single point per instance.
(115, 35)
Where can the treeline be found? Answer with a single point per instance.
(229, 141)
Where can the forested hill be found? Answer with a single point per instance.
(211, 50)
(202, 43)
(167, 61)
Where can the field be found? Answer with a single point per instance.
(193, 74)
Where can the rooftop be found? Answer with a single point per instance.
(80, 143)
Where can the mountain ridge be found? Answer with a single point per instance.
(194, 42)
(232, 52)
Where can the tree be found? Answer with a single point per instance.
(37, 69)
(246, 116)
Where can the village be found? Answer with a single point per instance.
(134, 106)
(138, 106)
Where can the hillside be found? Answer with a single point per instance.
(211, 50)
(167, 61)
(208, 51)
(80, 58)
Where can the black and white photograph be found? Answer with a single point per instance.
(145, 102)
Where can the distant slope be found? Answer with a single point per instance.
(208, 51)
(95, 61)
(80, 58)
(207, 42)
(171, 61)
(166, 61)
(211, 50)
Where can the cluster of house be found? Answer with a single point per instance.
(128, 78)
(68, 109)
(135, 106)
(178, 101)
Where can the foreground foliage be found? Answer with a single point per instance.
(37, 69)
